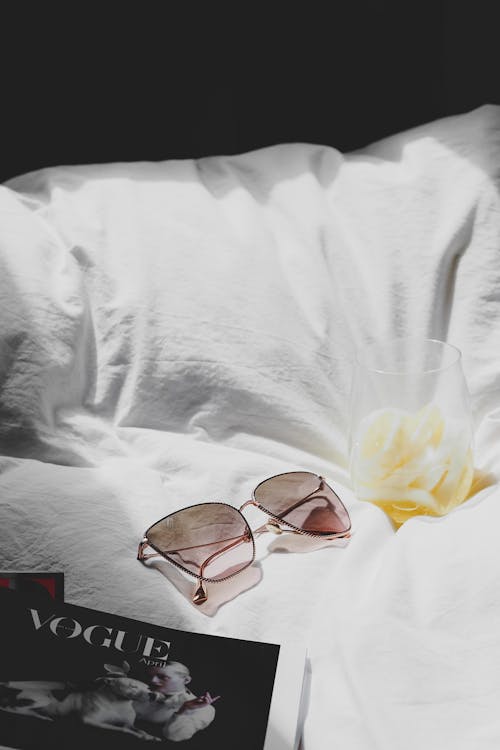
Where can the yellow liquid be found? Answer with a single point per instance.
(411, 464)
(401, 511)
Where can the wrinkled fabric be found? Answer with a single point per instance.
(175, 332)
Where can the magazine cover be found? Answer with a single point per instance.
(72, 677)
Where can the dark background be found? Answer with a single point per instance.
(149, 81)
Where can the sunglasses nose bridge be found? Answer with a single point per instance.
(245, 505)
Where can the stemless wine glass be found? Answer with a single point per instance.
(411, 428)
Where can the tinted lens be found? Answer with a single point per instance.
(212, 540)
(304, 501)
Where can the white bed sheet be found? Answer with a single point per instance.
(174, 332)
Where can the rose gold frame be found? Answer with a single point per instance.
(273, 525)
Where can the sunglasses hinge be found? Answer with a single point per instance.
(274, 527)
(141, 555)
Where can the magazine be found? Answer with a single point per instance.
(73, 677)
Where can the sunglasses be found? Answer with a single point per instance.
(213, 541)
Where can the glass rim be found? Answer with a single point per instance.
(384, 346)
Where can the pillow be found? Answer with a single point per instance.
(222, 298)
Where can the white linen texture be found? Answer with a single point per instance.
(175, 332)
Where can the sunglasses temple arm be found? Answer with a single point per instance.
(341, 534)
(265, 527)
(307, 497)
(262, 529)
(200, 595)
(243, 538)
